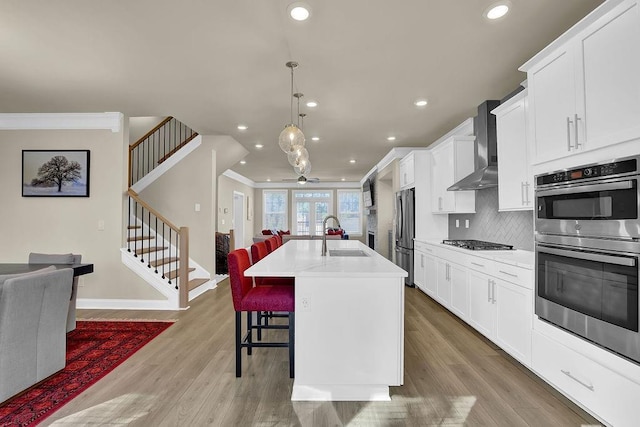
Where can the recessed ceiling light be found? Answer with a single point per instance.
(497, 10)
(243, 127)
(352, 161)
(312, 104)
(299, 11)
(342, 179)
(259, 145)
(391, 138)
(420, 103)
(243, 162)
(315, 138)
(268, 179)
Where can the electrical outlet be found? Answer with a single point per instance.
(101, 225)
(457, 223)
(466, 223)
(305, 305)
(197, 207)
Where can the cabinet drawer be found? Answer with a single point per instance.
(511, 273)
(479, 264)
(423, 247)
(607, 395)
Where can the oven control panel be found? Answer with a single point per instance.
(588, 172)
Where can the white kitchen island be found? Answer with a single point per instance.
(349, 323)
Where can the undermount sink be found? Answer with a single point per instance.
(347, 252)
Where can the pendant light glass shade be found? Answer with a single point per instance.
(303, 167)
(291, 138)
(298, 155)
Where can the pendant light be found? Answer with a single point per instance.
(291, 137)
(299, 153)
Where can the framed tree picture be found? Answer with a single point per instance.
(55, 173)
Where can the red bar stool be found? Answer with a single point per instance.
(279, 239)
(258, 251)
(248, 298)
(272, 244)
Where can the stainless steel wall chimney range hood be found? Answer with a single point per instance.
(486, 151)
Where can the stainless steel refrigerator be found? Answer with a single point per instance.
(405, 232)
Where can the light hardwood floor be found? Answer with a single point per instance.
(185, 377)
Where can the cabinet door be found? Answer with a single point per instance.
(481, 307)
(552, 104)
(514, 183)
(444, 285)
(459, 291)
(419, 269)
(514, 319)
(610, 67)
(430, 275)
(442, 177)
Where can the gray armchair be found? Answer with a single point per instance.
(37, 258)
(33, 313)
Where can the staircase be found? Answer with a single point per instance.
(156, 249)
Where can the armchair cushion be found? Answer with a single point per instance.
(38, 258)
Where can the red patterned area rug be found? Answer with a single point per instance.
(93, 350)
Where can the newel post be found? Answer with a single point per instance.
(183, 268)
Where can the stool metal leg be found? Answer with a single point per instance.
(238, 344)
(292, 322)
(249, 332)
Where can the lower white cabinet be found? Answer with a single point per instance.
(443, 293)
(431, 275)
(514, 319)
(419, 269)
(459, 291)
(606, 394)
(482, 313)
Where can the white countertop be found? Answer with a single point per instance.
(298, 258)
(517, 257)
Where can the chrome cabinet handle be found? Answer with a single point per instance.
(522, 193)
(421, 260)
(526, 193)
(489, 290)
(508, 274)
(575, 125)
(591, 256)
(582, 383)
(625, 184)
(569, 123)
(440, 203)
(493, 291)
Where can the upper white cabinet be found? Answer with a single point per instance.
(584, 90)
(407, 171)
(515, 178)
(451, 161)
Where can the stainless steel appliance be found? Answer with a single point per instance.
(588, 253)
(405, 232)
(478, 245)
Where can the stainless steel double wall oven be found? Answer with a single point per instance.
(588, 251)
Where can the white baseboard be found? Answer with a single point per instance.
(125, 304)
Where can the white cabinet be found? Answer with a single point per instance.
(443, 292)
(451, 161)
(459, 291)
(407, 171)
(613, 398)
(431, 275)
(419, 268)
(515, 177)
(502, 310)
(482, 313)
(584, 93)
(425, 269)
(514, 319)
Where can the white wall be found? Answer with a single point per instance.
(62, 225)
(226, 187)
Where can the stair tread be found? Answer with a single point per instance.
(138, 238)
(174, 273)
(150, 249)
(162, 261)
(194, 283)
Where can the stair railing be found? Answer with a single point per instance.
(146, 224)
(156, 146)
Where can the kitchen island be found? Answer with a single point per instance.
(349, 323)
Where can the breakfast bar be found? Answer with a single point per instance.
(349, 324)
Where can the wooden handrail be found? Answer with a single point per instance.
(148, 134)
(135, 197)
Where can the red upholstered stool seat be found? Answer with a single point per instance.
(268, 298)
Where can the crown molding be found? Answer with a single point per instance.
(61, 121)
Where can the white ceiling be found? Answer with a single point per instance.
(214, 64)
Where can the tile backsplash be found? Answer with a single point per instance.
(511, 228)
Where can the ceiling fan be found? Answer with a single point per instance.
(302, 180)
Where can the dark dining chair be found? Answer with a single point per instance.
(248, 298)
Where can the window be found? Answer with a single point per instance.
(274, 212)
(350, 211)
(309, 209)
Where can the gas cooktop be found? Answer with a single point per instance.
(478, 245)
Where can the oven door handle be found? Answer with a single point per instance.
(619, 185)
(609, 259)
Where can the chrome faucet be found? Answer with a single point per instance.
(324, 232)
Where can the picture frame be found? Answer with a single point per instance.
(55, 173)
